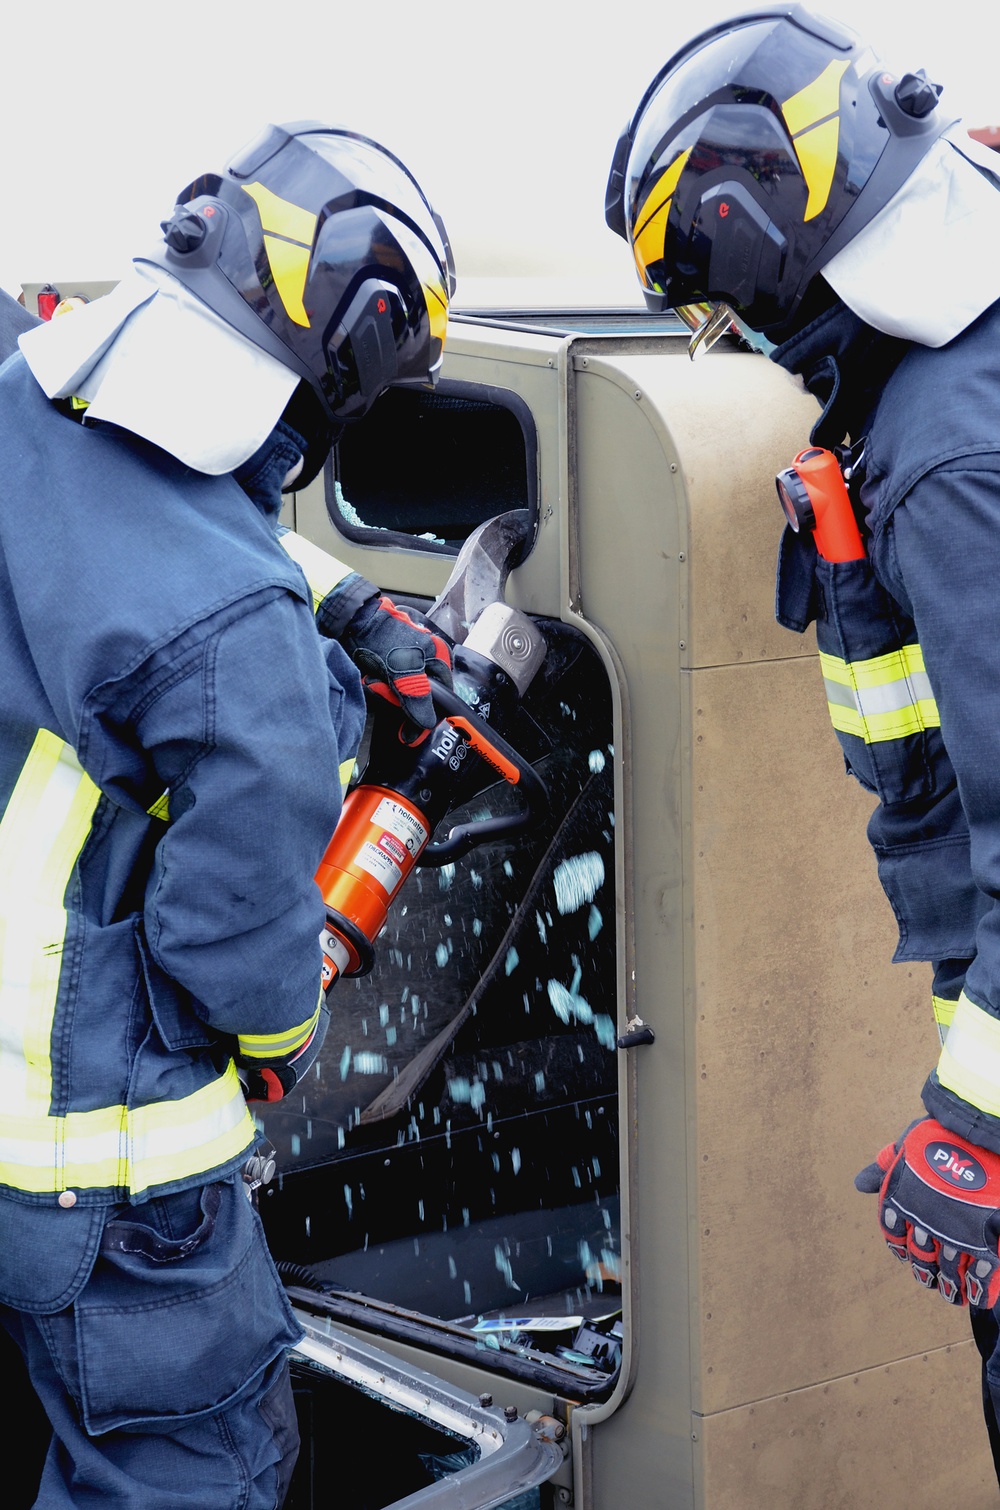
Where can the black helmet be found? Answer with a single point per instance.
(320, 247)
(758, 152)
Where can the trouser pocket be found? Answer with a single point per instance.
(182, 1311)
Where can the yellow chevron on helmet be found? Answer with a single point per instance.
(650, 228)
(812, 116)
(289, 232)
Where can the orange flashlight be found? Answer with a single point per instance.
(814, 497)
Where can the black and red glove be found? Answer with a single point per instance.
(397, 656)
(396, 650)
(939, 1210)
(272, 1079)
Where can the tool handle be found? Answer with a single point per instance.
(506, 761)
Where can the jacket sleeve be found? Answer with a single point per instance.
(338, 591)
(247, 727)
(942, 547)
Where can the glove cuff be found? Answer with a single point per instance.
(958, 1116)
(342, 603)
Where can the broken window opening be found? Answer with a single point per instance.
(424, 468)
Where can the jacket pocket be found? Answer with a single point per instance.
(184, 1308)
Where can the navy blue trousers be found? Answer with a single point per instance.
(165, 1384)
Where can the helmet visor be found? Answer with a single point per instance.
(377, 176)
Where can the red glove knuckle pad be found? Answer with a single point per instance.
(939, 1209)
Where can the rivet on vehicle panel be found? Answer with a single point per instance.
(638, 393)
(673, 466)
(680, 555)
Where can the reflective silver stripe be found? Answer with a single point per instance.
(118, 1147)
(944, 1012)
(889, 698)
(886, 697)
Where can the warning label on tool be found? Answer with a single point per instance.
(398, 820)
(378, 863)
(394, 849)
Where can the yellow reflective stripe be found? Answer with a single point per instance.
(944, 1012)
(886, 697)
(346, 772)
(289, 232)
(114, 1147)
(277, 1045)
(906, 662)
(816, 100)
(877, 728)
(290, 268)
(970, 1059)
(43, 830)
(322, 571)
(171, 1140)
(650, 232)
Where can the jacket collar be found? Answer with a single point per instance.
(262, 474)
(844, 364)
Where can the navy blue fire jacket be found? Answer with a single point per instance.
(171, 730)
(909, 642)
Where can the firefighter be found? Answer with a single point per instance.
(171, 728)
(776, 174)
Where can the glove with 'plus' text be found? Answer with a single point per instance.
(939, 1210)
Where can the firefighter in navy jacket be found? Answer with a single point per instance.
(172, 726)
(778, 176)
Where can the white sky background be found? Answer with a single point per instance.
(507, 112)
